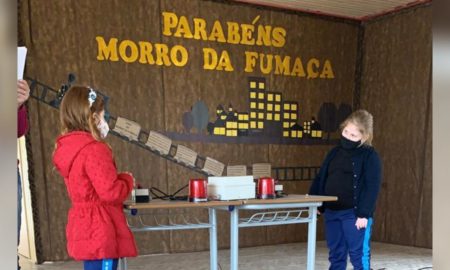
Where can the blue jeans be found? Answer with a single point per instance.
(19, 211)
(105, 264)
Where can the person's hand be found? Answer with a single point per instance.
(23, 92)
(361, 223)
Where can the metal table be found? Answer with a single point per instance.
(301, 209)
(135, 208)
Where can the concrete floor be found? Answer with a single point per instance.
(279, 257)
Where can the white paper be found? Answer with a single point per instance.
(21, 56)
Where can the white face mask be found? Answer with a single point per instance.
(103, 128)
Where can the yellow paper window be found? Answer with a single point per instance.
(243, 126)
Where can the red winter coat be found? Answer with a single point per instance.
(96, 227)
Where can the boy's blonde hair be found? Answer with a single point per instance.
(75, 114)
(364, 121)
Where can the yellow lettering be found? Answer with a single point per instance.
(264, 35)
(177, 49)
(124, 45)
(217, 33)
(209, 58)
(162, 56)
(200, 29)
(278, 37)
(170, 20)
(247, 32)
(224, 62)
(282, 66)
(268, 68)
(146, 53)
(183, 28)
(250, 61)
(233, 33)
(312, 73)
(327, 71)
(107, 52)
(298, 70)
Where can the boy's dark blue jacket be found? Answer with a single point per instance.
(366, 179)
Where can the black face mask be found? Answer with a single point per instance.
(347, 144)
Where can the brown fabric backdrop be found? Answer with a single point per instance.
(391, 68)
(396, 87)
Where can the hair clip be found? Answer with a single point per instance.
(91, 96)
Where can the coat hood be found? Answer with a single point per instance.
(68, 146)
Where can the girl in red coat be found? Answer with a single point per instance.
(96, 231)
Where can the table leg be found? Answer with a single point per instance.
(213, 238)
(234, 239)
(312, 225)
(122, 264)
